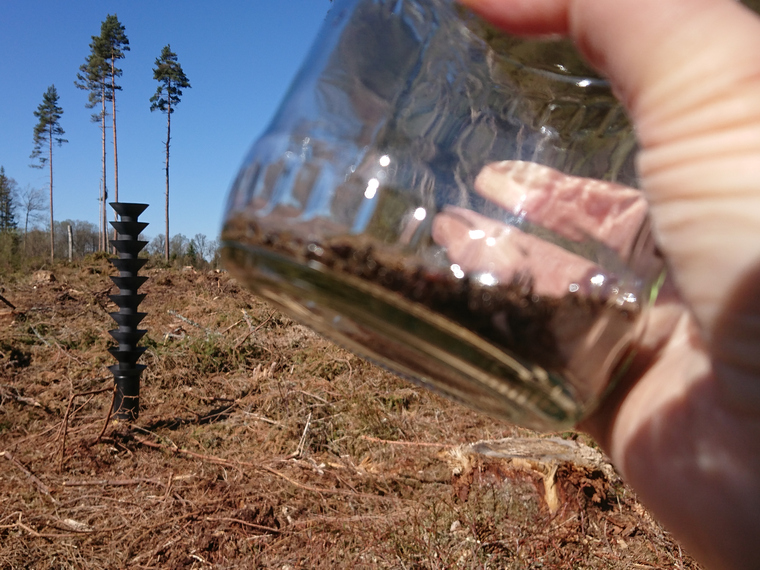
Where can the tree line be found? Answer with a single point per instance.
(98, 76)
(21, 239)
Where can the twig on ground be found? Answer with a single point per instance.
(36, 534)
(253, 330)
(302, 442)
(247, 320)
(208, 331)
(57, 345)
(29, 475)
(415, 443)
(7, 302)
(244, 523)
(240, 464)
(114, 482)
(11, 392)
(232, 326)
(363, 518)
(173, 445)
(310, 395)
(63, 431)
(164, 545)
(18, 514)
(108, 418)
(263, 419)
(168, 487)
(39, 336)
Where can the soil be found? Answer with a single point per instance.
(260, 444)
(580, 337)
(526, 320)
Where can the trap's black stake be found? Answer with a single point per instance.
(126, 373)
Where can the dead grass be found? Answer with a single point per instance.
(262, 445)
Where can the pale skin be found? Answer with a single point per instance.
(684, 426)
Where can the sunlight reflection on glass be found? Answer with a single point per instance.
(372, 185)
(457, 271)
(488, 279)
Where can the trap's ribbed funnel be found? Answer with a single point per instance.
(126, 374)
(129, 228)
(127, 358)
(130, 266)
(127, 248)
(131, 284)
(128, 321)
(128, 212)
(127, 302)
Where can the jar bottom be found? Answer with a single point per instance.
(411, 339)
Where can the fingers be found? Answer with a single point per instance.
(524, 16)
(689, 75)
(586, 211)
(639, 44)
(479, 245)
(573, 207)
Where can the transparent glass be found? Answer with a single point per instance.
(454, 204)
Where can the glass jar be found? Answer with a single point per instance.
(454, 204)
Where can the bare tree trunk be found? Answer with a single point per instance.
(70, 236)
(115, 153)
(168, 138)
(103, 238)
(52, 226)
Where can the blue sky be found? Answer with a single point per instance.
(239, 55)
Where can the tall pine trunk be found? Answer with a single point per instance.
(104, 188)
(115, 152)
(52, 226)
(166, 212)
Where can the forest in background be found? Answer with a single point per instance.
(25, 235)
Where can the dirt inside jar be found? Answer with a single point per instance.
(579, 338)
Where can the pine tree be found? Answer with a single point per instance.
(171, 80)
(7, 202)
(92, 77)
(46, 132)
(113, 43)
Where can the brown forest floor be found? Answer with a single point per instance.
(260, 444)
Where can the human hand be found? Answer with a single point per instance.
(601, 214)
(578, 245)
(684, 425)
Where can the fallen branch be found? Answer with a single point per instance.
(39, 336)
(11, 392)
(63, 431)
(57, 345)
(7, 302)
(244, 523)
(114, 482)
(302, 441)
(108, 418)
(263, 419)
(310, 395)
(36, 534)
(29, 475)
(253, 330)
(208, 331)
(247, 320)
(414, 443)
(240, 464)
(232, 326)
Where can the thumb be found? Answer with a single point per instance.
(688, 72)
